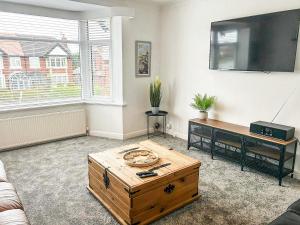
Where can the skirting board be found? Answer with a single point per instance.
(119, 136)
(297, 174)
(42, 142)
(106, 134)
(182, 136)
(136, 133)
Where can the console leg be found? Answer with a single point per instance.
(243, 154)
(281, 162)
(189, 137)
(148, 126)
(294, 158)
(212, 143)
(201, 143)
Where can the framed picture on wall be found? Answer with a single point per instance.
(142, 58)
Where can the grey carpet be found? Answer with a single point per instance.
(51, 180)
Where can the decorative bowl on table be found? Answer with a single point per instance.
(141, 158)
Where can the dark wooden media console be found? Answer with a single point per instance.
(234, 142)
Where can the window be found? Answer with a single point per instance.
(44, 60)
(99, 44)
(56, 62)
(1, 62)
(2, 79)
(14, 62)
(50, 69)
(227, 48)
(228, 36)
(34, 62)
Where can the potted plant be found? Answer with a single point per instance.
(155, 95)
(203, 104)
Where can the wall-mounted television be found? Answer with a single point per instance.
(257, 43)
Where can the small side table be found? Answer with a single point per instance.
(160, 114)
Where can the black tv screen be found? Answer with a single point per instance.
(257, 43)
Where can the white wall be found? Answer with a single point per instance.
(144, 27)
(129, 120)
(242, 97)
(105, 120)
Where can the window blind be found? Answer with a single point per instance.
(39, 60)
(99, 45)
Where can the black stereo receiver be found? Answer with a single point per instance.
(278, 131)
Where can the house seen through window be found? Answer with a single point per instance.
(1, 62)
(99, 44)
(2, 81)
(56, 62)
(34, 62)
(15, 62)
(41, 65)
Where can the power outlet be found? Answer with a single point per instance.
(169, 126)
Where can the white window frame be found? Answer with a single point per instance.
(57, 59)
(34, 62)
(86, 64)
(115, 67)
(1, 62)
(117, 60)
(15, 62)
(2, 80)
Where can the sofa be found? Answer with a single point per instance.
(290, 217)
(11, 208)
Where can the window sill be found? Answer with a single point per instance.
(59, 104)
(40, 106)
(105, 102)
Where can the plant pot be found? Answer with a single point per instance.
(155, 110)
(203, 115)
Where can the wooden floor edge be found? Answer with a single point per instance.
(118, 218)
(123, 222)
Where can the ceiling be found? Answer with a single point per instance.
(71, 5)
(163, 1)
(79, 5)
(160, 1)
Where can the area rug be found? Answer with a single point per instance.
(51, 180)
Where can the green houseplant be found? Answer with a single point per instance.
(155, 95)
(203, 104)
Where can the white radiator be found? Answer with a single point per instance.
(28, 130)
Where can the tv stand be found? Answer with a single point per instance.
(234, 142)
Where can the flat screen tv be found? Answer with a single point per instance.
(257, 43)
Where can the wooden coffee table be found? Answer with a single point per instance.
(133, 200)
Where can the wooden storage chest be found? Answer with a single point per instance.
(133, 200)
